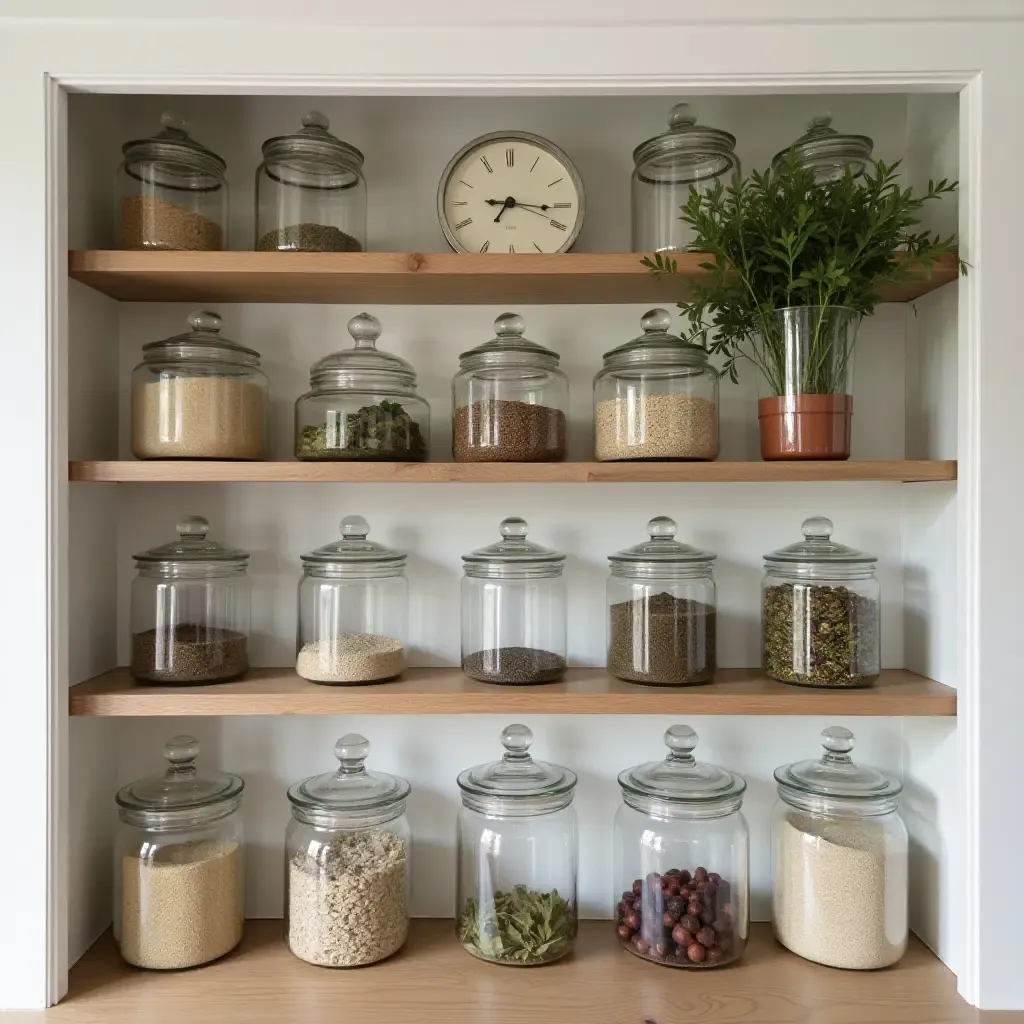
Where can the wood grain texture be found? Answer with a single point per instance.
(446, 691)
(171, 471)
(409, 278)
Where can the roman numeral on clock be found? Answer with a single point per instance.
(458, 202)
(511, 248)
(555, 224)
(510, 157)
(484, 161)
(561, 206)
(485, 246)
(463, 223)
(555, 182)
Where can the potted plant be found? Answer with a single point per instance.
(794, 267)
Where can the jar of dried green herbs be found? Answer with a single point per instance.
(821, 610)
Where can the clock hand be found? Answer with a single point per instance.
(505, 202)
(506, 205)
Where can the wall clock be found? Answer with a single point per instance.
(510, 192)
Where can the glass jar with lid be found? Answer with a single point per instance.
(310, 192)
(662, 611)
(179, 864)
(828, 153)
(362, 404)
(509, 399)
(656, 397)
(513, 610)
(682, 851)
(190, 610)
(171, 192)
(347, 857)
(353, 610)
(518, 857)
(666, 167)
(821, 612)
(198, 395)
(839, 860)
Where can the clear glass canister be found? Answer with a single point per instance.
(509, 399)
(682, 851)
(513, 610)
(190, 610)
(347, 858)
(198, 395)
(353, 610)
(171, 192)
(821, 612)
(517, 857)
(662, 611)
(179, 864)
(839, 860)
(666, 167)
(362, 404)
(310, 192)
(827, 153)
(656, 397)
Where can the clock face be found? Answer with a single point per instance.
(510, 193)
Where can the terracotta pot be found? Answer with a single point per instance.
(805, 426)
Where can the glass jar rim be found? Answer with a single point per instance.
(203, 341)
(314, 139)
(354, 549)
(191, 547)
(174, 144)
(655, 345)
(661, 549)
(513, 555)
(360, 367)
(509, 344)
(821, 142)
(686, 142)
(818, 549)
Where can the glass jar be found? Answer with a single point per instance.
(687, 156)
(827, 153)
(821, 612)
(310, 192)
(190, 610)
(656, 397)
(353, 610)
(682, 851)
(171, 192)
(662, 611)
(513, 610)
(198, 395)
(517, 857)
(179, 864)
(839, 860)
(362, 404)
(347, 857)
(510, 400)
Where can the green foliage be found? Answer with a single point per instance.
(383, 431)
(519, 927)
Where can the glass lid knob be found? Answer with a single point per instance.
(838, 742)
(820, 124)
(682, 115)
(314, 119)
(513, 527)
(509, 325)
(365, 329)
(181, 752)
(193, 526)
(173, 124)
(656, 321)
(817, 528)
(680, 740)
(351, 751)
(661, 528)
(204, 320)
(354, 528)
(516, 740)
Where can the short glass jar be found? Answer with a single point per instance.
(179, 864)
(362, 404)
(656, 397)
(353, 610)
(827, 153)
(190, 611)
(687, 156)
(517, 857)
(682, 853)
(839, 860)
(513, 610)
(171, 192)
(821, 612)
(662, 611)
(310, 192)
(198, 395)
(510, 400)
(347, 858)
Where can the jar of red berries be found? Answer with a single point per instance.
(682, 851)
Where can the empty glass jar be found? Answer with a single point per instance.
(353, 610)
(839, 860)
(171, 192)
(362, 404)
(347, 857)
(190, 610)
(310, 192)
(517, 857)
(179, 864)
(821, 612)
(682, 851)
(510, 400)
(666, 167)
(661, 611)
(656, 397)
(513, 610)
(198, 395)
(827, 153)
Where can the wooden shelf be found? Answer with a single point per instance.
(158, 471)
(446, 691)
(434, 980)
(409, 278)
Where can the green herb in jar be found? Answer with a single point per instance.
(520, 927)
(383, 432)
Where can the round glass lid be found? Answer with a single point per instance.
(513, 549)
(364, 362)
(203, 339)
(686, 152)
(821, 145)
(656, 345)
(314, 143)
(192, 545)
(661, 547)
(173, 145)
(818, 546)
(517, 775)
(354, 547)
(509, 341)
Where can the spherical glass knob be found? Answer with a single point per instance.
(181, 751)
(205, 320)
(354, 527)
(351, 751)
(314, 119)
(365, 329)
(817, 528)
(682, 115)
(193, 526)
(516, 740)
(680, 740)
(661, 528)
(509, 324)
(513, 527)
(837, 740)
(656, 320)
